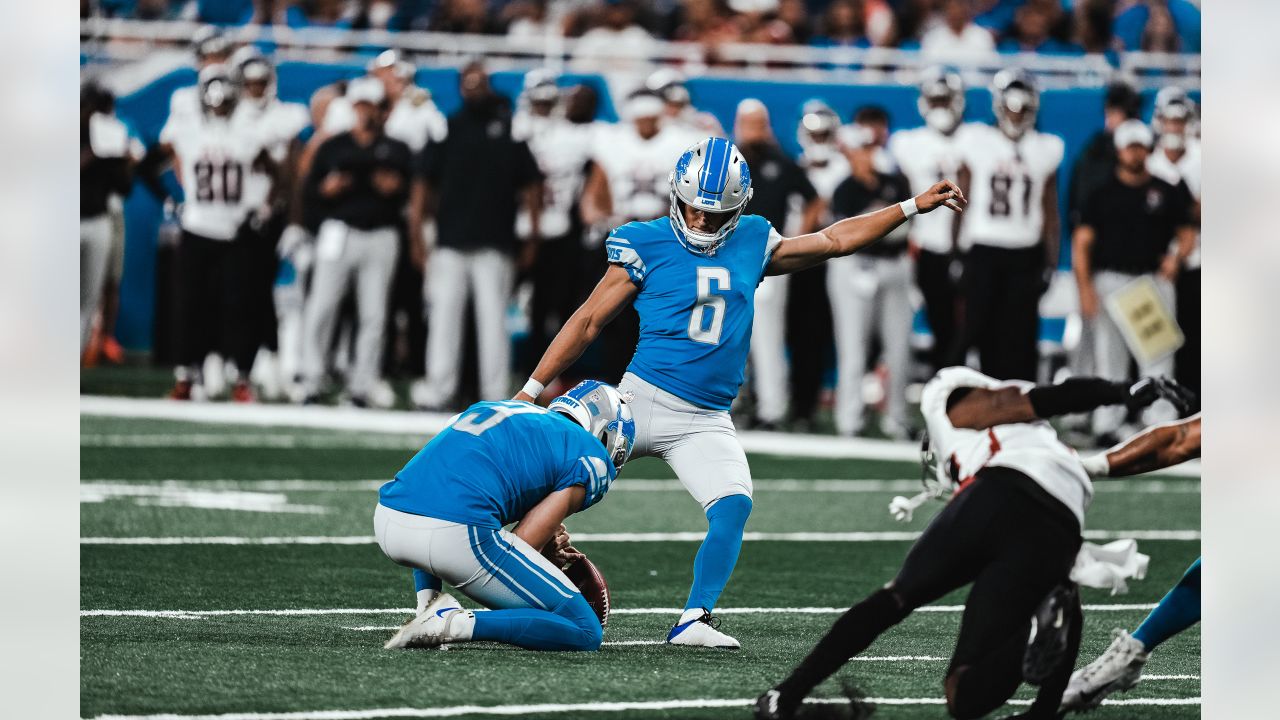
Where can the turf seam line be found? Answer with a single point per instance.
(551, 708)
(685, 536)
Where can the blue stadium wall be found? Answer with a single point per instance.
(1074, 114)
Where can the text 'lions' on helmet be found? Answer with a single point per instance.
(602, 411)
(941, 101)
(1015, 101)
(218, 90)
(713, 182)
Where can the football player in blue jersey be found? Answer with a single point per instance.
(692, 278)
(495, 464)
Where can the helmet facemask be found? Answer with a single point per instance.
(712, 178)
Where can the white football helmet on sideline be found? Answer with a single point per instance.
(713, 177)
(1015, 101)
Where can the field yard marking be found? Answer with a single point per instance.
(404, 423)
(783, 485)
(201, 614)
(689, 536)
(550, 708)
(172, 496)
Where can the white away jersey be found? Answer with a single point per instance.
(926, 156)
(1187, 169)
(637, 169)
(562, 149)
(414, 120)
(280, 123)
(1030, 448)
(215, 157)
(1006, 186)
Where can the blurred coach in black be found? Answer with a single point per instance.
(359, 182)
(472, 183)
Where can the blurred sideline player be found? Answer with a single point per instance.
(562, 149)
(785, 198)
(1011, 528)
(214, 152)
(925, 154)
(1177, 157)
(679, 114)
(692, 276)
(1010, 171)
(280, 123)
(495, 464)
(1120, 667)
(211, 47)
(630, 162)
(870, 292)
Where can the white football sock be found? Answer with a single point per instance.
(425, 597)
(690, 614)
(461, 626)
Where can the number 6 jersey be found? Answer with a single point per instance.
(695, 309)
(215, 159)
(1006, 184)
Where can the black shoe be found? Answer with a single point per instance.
(1050, 627)
(773, 705)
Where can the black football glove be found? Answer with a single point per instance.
(1150, 389)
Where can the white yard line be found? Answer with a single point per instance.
(575, 708)
(291, 612)
(784, 485)
(689, 536)
(424, 424)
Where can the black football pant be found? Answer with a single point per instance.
(1186, 363)
(555, 294)
(810, 335)
(1015, 543)
(215, 296)
(1002, 289)
(941, 307)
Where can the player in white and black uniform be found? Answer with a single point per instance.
(925, 154)
(214, 154)
(1177, 157)
(1010, 169)
(1011, 528)
(267, 196)
(630, 164)
(211, 47)
(562, 149)
(679, 115)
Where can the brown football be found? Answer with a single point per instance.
(586, 576)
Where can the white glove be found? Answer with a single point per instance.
(902, 508)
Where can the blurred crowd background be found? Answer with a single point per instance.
(386, 227)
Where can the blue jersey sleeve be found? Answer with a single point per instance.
(593, 472)
(624, 251)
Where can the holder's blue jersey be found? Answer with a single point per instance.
(695, 309)
(495, 461)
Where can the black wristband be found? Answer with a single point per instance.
(1076, 395)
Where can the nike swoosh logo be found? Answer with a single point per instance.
(440, 613)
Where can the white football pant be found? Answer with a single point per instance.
(345, 254)
(1111, 354)
(487, 565)
(95, 252)
(488, 274)
(869, 293)
(700, 445)
(769, 374)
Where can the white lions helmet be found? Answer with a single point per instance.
(941, 101)
(713, 177)
(602, 411)
(1015, 101)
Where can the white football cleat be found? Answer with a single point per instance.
(1117, 669)
(431, 628)
(701, 631)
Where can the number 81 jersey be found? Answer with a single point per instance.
(695, 309)
(1006, 183)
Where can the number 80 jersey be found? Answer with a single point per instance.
(695, 310)
(215, 160)
(1006, 183)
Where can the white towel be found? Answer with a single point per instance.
(1108, 566)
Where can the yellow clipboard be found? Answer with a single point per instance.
(1145, 320)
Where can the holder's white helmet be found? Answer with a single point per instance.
(713, 177)
(602, 411)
